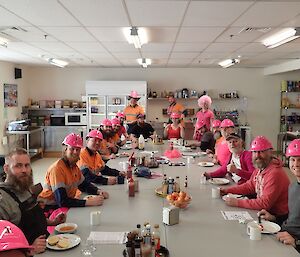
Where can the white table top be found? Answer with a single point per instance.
(202, 230)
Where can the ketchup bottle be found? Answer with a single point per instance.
(131, 191)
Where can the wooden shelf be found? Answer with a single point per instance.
(56, 109)
(165, 98)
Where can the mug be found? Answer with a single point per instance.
(254, 232)
(215, 192)
(95, 218)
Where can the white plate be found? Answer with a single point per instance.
(73, 239)
(89, 196)
(234, 196)
(269, 227)
(123, 155)
(202, 153)
(218, 181)
(60, 226)
(206, 164)
(126, 147)
(128, 142)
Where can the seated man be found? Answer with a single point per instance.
(63, 179)
(268, 181)
(91, 164)
(290, 232)
(122, 129)
(116, 138)
(141, 127)
(239, 165)
(206, 137)
(108, 148)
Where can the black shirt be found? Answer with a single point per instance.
(146, 130)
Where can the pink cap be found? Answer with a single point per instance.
(11, 237)
(293, 149)
(175, 115)
(106, 122)
(120, 115)
(134, 94)
(227, 123)
(260, 143)
(73, 140)
(204, 99)
(200, 124)
(216, 123)
(95, 134)
(115, 121)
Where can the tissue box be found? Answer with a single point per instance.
(170, 215)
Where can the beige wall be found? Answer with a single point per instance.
(11, 113)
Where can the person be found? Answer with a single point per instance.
(63, 179)
(268, 183)
(239, 165)
(18, 203)
(91, 164)
(174, 130)
(116, 126)
(205, 137)
(205, 114)
(132, 110)
(216, 129)
(108, 147)
(290, 233)
(122, 130)
(142, 127)
(222, 152)
(175, 107)
(13, 242)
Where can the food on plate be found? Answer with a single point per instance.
(180, 200)
(52, 240)
(66, 228)
(63, 243)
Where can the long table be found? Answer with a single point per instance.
(202, 230)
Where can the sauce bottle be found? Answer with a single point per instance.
(131, 191)
(156, 237)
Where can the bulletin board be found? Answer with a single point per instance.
(10, 95)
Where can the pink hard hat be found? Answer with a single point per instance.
(226, 123)
(120, 115)
(73, 140)
(175, 115)
(200, 124)
(94, 134)
(11, 237)
(260, 143)
(204, 99)
(293, 148)
(216, 123)
(106, 122)
(115, 121)
(134, 94)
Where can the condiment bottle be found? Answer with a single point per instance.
(141, 142)
(147, 237)
(165, 186)
(170, 185)
(156, 237)
(185, 182)
(138, 229)
(177, 184)
(143, 232)
(131, 191)
(129, 172)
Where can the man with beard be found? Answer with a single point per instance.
(63, 179)
(239, 165)
(108, 148)
(142, 127)
(18, 205)
(268, 182)
(91, 164)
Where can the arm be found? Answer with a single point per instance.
(63, 200)
(182, 134)
(86, 186)
(247, 167)
(247, 188)
(91, 177)
(219, 173)
(166, 130)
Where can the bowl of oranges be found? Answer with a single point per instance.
(179, 199)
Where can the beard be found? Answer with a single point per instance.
(261, 163)
(217, 135)
(22, 183)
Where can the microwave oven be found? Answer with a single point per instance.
(75, 118)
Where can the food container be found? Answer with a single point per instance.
(170, 215)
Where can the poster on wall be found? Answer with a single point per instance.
(10, 95)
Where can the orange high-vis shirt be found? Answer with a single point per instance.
(177, 108)
(93, 162)
(114, 139)
(131, 112)
(104, 149)
(59, 175)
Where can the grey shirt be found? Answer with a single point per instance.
(292, 224)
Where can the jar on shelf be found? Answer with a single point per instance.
(283, 86)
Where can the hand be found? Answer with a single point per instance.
(39, 245)
(94, 201)
(231, 168)
(104, 194)
(112, 156)
(223, 191)
(208, 151)
(60, 218)
(266, 215)
(205, 174)
(231, 201)
(286, 238)
(123, 173)
(111, 180)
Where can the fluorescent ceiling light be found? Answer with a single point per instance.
(228, 62)
(3, 41)
(282, 37)
(136, 36)
(144, 62)
(54, 61)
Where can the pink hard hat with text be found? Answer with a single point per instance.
(94, 134)
(216, 123)
(73, 140)
(11, 237)
(227, 123)
(115, 121)
(106, 122)
(120, 115)
(260, 143)
(175, 115)
(134, 94)
(293, 149)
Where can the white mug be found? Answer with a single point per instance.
(254, 232)
(202, 179)
(215, 192)
(95, 218)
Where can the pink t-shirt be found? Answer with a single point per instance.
(222, 152)
(207, 116)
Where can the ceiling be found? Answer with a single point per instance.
(89, 33)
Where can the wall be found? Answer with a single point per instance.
(11, 113)
(262, 92)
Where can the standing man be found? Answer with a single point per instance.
(132, 110)
(63, 179)
(175, 107)
(268, 183)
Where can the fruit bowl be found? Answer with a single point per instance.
(180, 200)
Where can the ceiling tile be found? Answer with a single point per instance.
(263, 14)
(186, 55)
(180, 61)
(199, 34)
(156, 55)
(157, 47)
(120, 47)
(7, 19)
(214, 13)
(96, 56)
(98, 12)
(224, 47)
(214, 55)
(22, 47)
(52, 46)
(163, 34)
(133, 55)
(157, 13)
(253, 47)
(189, 47)
(110, 34)
(87, 46)
(70, 34)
